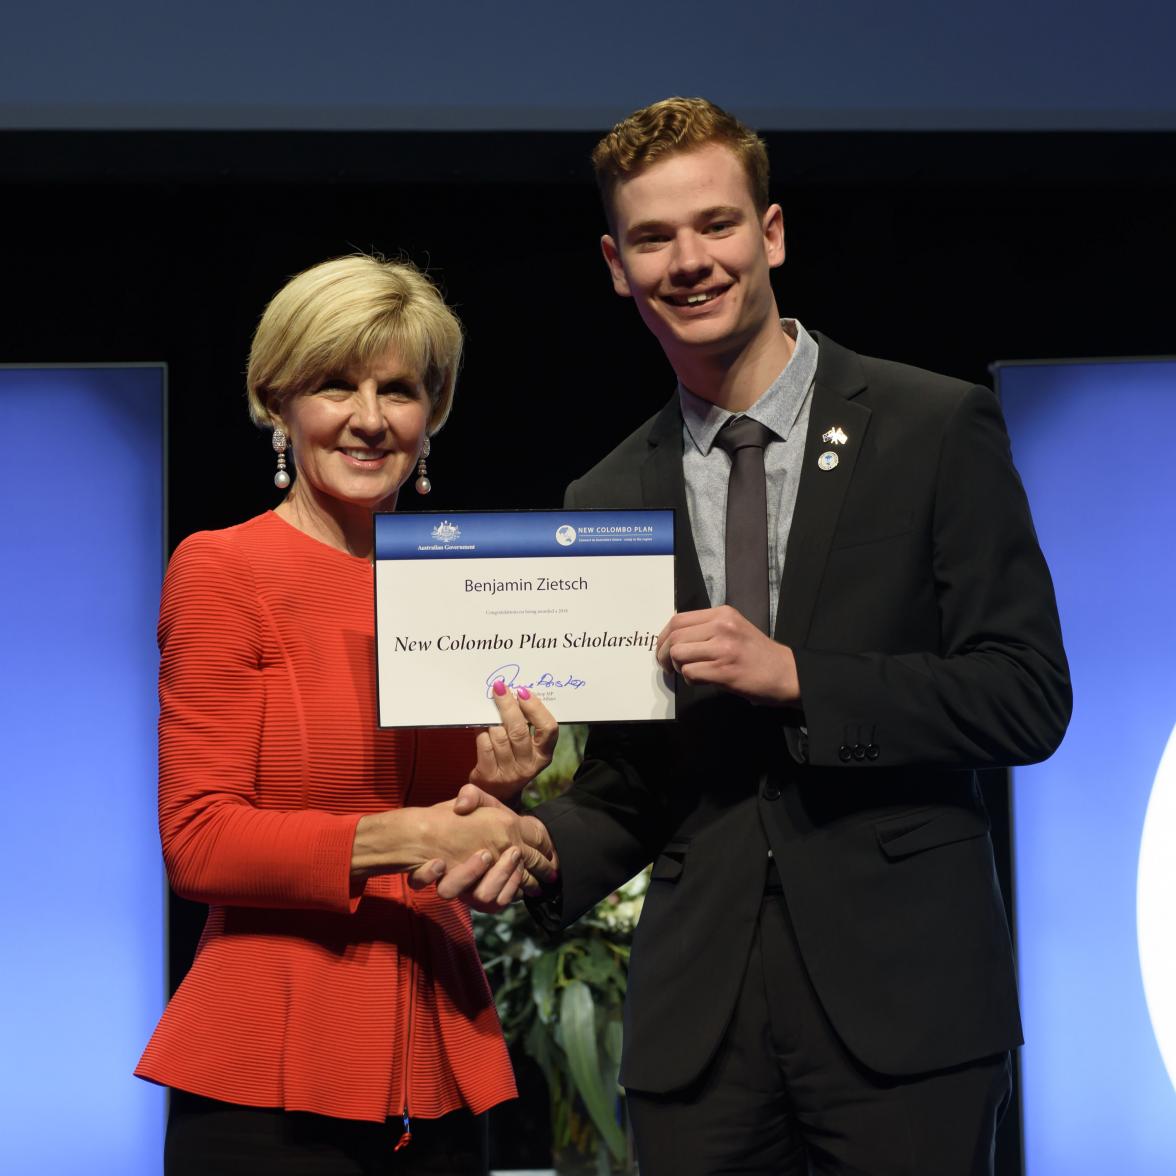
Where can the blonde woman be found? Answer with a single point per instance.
(336, 1018)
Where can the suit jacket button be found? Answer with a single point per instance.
(859, 751)
(872, 751)
(844, 754)
(771, 792)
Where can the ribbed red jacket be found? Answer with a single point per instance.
(306, 993)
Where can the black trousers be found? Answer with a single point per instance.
(784, 1097)
(210, 1138)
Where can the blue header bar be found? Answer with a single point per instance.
(505, 534)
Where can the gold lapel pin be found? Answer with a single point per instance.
(835, 436)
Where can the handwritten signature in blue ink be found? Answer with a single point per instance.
(509, 675)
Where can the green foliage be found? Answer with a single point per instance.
(561, 998)
(555, 778)
(578, 1033)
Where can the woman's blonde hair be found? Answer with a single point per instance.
(342, 314)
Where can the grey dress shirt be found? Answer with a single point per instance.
(784, 409)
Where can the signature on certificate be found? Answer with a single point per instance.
(509, 676)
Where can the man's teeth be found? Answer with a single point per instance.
(695, 299)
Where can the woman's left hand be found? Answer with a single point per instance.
(512, 754)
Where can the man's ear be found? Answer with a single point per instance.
(772, 226)
(612, 258)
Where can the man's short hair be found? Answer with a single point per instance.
(671, 126)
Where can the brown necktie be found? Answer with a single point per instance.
(747, 518)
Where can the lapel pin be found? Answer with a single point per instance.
(835, 436)
(828, 460)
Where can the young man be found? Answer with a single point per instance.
(822, 978)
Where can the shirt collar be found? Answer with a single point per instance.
(777, 408)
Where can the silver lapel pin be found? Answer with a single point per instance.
(835, 436)
(828, 460)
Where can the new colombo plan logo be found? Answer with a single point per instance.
(566, 535)
(1155, 906)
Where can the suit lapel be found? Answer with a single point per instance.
(663, 486)
(821, 492)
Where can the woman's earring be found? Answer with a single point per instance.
(281, 478)
(423, 485)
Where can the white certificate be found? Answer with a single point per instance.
(567, 603)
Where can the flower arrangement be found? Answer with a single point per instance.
(560, 998)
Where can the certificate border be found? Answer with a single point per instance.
(576, 510)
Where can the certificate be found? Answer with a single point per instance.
(567, 603)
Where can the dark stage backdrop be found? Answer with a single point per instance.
(949, 251)
(944, 250)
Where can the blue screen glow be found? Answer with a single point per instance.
(1093, 444)
(81, 883)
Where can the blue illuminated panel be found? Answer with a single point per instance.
(81, 885)
(1094, 443)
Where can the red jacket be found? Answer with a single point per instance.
(307, 992)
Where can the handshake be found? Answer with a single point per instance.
(475, 847)
(493, 854)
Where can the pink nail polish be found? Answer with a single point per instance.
(523, 693)
(499, 687)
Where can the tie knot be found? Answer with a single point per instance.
(743, 433)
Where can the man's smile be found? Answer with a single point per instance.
(695, 297)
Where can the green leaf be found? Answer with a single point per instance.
(541, 1048)
(597, 967)
(613, 1034)
(577, 1019)
(543, 985)
(556, 777)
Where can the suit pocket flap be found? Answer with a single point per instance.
(670, 862)
(914, 832)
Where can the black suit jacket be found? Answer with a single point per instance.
(922, 617)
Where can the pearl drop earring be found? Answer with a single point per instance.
(423, 485)
(281, 478)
